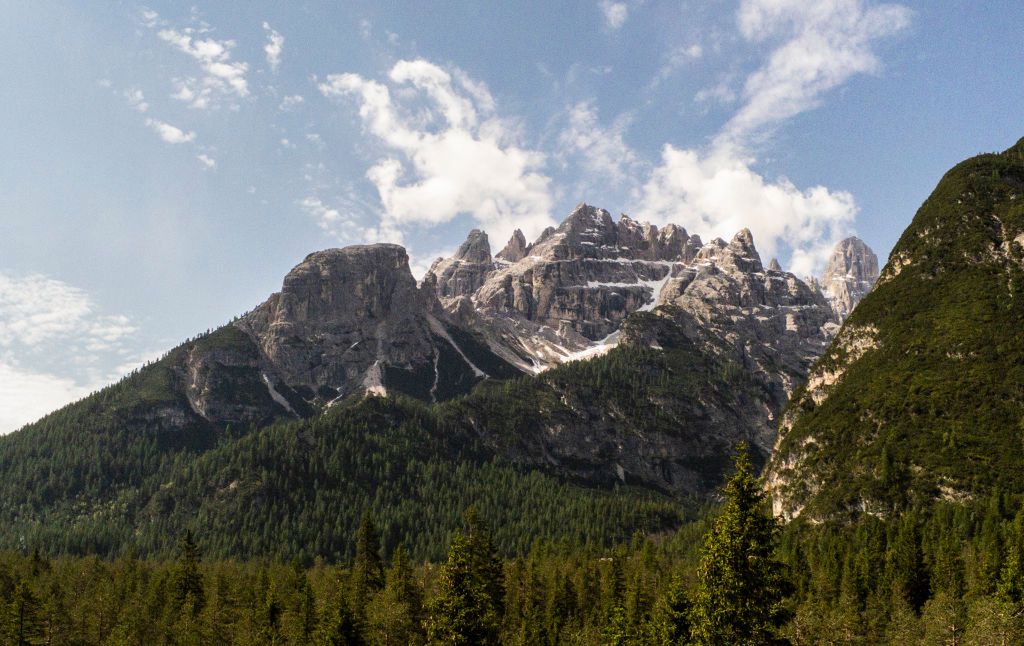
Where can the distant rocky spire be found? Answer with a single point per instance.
(851, 273)
(774, 265)
(516, 248)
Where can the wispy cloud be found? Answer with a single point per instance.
(448, 153)
(43, 322)
(290, 102)
(600, 151)
(221, 77)
(823, 44)
(274, 47)
(209, 163)
(817, 47)
(136, 99)
(615, 13)
(170, 134)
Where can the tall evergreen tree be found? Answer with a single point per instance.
(395, 616)
(367, 576)
(740, 587)
(188, 580)
(467, 608)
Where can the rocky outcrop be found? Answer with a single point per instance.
(353, 320)
(466, 271)
(851, 272)
(516, 249)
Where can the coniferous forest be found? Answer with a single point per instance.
(948, 573)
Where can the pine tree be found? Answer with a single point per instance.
(670, 624)
(468, 606)
(367, 576)
(24, 616)
(395, 616)
(740, 587)
(188, 581)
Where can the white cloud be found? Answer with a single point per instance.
(209, 163)
(221, 77)
(675, 60)
(149, 17)
(823, 43)
(274, 47)
(170, 134)
(136, 99)
(291, 102)
(818, 46)
(615, 13)
(448, 152)
(717, 194)
(48, 322)
(602, 152)
(26, 396)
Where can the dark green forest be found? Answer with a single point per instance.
(944, 574)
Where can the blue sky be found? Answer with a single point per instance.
(165, 164)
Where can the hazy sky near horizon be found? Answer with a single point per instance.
(164, 165)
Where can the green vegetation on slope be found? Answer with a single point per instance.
(936, 406)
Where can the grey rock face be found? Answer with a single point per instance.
(516, 248)
(466, 271)
(769, 321)
(851, 273)
(352, 320)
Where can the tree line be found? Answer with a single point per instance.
(950, 574)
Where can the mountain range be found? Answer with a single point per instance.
(615, 360)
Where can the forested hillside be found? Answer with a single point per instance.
(948, 573)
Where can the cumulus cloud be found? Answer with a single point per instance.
(35, 309)
(170, 134)
(815, 46)
(447, 152)
(209, 163)
(220, 78)
(274, 47)
(45, 321)
(615, 13)
(717, 194)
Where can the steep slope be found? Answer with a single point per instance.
(920, 395)
(607, 357)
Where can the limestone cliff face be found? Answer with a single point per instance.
(465, 272)
(850, 274)
(353, 320)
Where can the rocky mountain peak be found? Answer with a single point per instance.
(466, 271)
(475, 249)
(516, 248)
(850, 274)
(742, 253)
(774, 265)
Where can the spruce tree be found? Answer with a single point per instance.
(395, 615)
(188, 581)
(467, 608)
(367, 576)
(740, 587)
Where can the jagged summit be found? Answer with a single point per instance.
(566, 295)
(516, 248)
(475, 249)
(850, 274)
